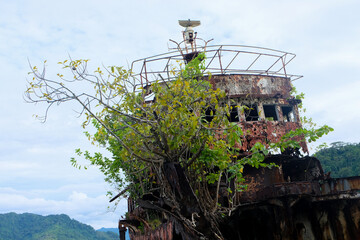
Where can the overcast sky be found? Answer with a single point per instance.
(35, 172)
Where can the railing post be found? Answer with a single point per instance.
(220, 60)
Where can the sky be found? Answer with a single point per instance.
(35, 171)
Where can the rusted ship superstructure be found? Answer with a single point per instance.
(297, 200)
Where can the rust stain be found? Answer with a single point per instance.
(267, 131)
(340, 185)
(296, 177)
(243, 85)
(163, 232)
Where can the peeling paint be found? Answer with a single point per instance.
(244, 85)
(267, 131)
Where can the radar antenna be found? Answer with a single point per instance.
(189, 34)
(188, 47)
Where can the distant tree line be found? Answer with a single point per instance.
(34, 227)
(341, 159)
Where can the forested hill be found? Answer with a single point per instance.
(341, 159)
(30, 226)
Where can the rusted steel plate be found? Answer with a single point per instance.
(281, 190)
(163, 232)
(339, 185)
(240, 85)
(267, 131)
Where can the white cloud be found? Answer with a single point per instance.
(336, 105)
(338, 108)
(91, 210)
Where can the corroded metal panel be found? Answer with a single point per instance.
(163, 232)
(242, 85)
(290, 218)
(296, 177)
(267, 131)
(340, 185)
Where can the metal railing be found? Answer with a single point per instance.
(220, 60)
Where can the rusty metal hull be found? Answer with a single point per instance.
(296, 201)
(292, 218)
(284, 218)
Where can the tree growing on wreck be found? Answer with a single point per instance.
(175, 152)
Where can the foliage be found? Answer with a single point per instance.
(152, 129)
(31, 226)
(341, 159)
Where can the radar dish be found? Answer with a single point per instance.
(189, 23)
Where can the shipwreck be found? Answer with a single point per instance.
(295, 200)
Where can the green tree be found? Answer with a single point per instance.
(34, 227)
(341, 159)
(172, 143)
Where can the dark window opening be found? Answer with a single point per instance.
(251, 113)
(288, 113)
(270, 112)
(209, 114)
(234, 114)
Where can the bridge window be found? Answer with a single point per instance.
(288, 113)
(251, 112)
(234, 114)
(270, 112)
